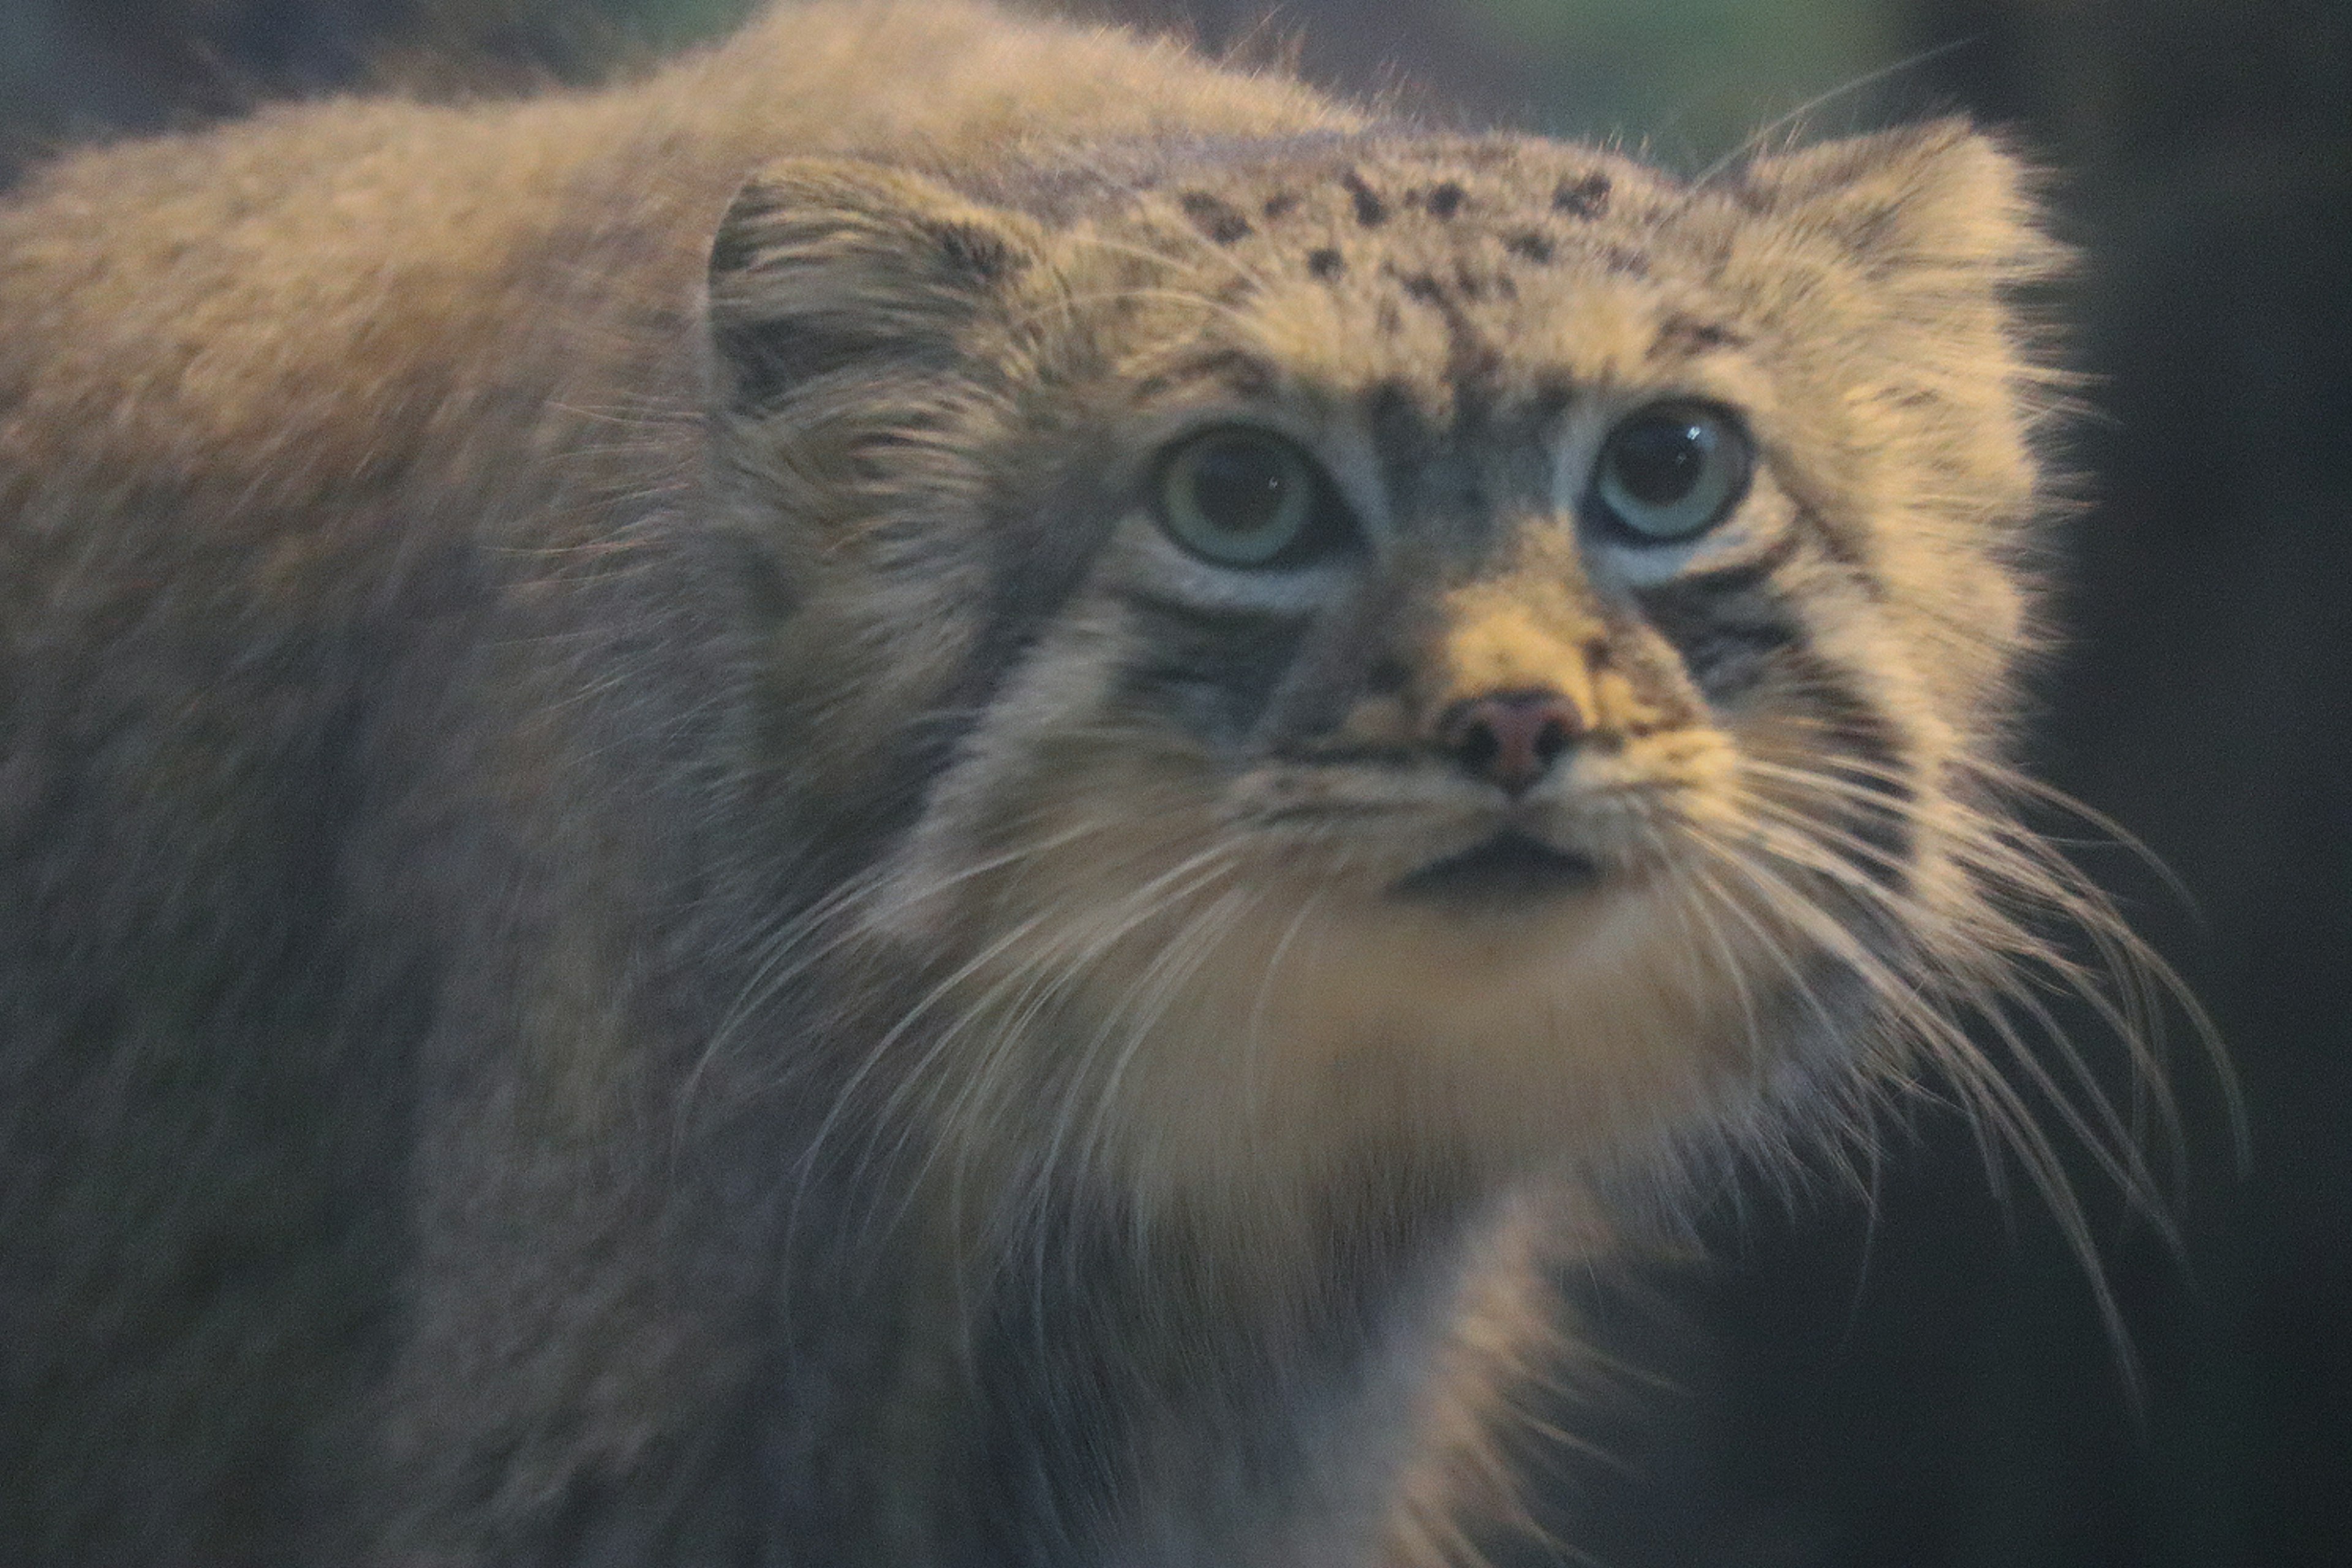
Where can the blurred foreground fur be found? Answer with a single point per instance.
(941, 790)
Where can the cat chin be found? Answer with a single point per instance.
(1259, 1046)
(1198, 1012)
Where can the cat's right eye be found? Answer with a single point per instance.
(1671, 472)
(1249, 498)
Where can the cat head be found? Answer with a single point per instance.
(1457, 650)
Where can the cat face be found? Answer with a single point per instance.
(1466, 648)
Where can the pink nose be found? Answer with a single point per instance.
(1512, 738)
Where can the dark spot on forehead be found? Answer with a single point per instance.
(1422, 287)
(1370, 211)
(1587, 197)
(1682, 336)
(1326, 263)
(1280, 204)
(1447, 200)
(1530, 245)
(1214, 216)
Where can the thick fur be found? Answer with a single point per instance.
(645, 919)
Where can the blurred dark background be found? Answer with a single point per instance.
(1915, 1377)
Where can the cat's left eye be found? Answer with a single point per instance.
(1671, 472)
(1249, 498)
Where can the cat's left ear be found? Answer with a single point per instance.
(1937, 198)
(825, 268)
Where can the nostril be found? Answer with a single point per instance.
(1512, 738)
(1478, 747)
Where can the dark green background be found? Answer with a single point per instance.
(1917, 1377)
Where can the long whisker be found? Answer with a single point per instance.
(2013, 862)
(1756, 139)
(2113, 1144)
(1948, 1043)
(1145, 1001)
(1046, 971)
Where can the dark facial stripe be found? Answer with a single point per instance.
(1727, 624)
(1473, 364)
(1840, 548)
(1686, 337)
(1742, 576)
(1213, 672)
(1859, 747)
(1045, 547)
(1229, 370)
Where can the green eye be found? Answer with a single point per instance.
(1246, 498)
(1671, 472)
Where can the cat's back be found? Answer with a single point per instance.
(295, 295)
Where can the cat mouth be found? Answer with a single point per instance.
(1510, 867)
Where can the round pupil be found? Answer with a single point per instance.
(1239, 487)
(1660, 460)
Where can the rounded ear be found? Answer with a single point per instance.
(1939, 197)
(823, 264)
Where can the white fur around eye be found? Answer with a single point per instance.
(1754, 526)
(1144, 559)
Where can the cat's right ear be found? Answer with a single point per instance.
(824, 266)
(1939, 202)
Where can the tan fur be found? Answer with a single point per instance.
(610, 782)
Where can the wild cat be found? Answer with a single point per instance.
(940, 790)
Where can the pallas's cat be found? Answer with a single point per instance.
(939, 791)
